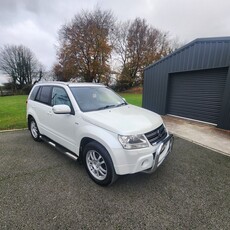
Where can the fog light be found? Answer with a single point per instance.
(145, 163)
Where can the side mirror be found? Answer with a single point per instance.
(61, 109)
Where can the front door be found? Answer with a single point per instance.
(62, 126)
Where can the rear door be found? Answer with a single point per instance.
(42, 107)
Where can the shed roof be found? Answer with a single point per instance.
(198, 40)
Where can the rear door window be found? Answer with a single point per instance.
(44, 94)
(34, 93)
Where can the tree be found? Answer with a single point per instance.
(120, 54)
(85, 47)
(120, 35)
(138, 45)
(20, 64)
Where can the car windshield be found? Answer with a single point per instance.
(96, 98)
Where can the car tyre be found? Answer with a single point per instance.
(34, 131)
(98, 164)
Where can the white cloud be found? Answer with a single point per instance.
(193, 19)
(29, 34)
(4, 79)
(35, 23)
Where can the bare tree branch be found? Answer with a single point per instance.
(20, 64)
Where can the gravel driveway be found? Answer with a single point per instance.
(42, 189)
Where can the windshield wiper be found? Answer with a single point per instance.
(123, 103)
(106, 107)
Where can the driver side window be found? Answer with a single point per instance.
(59, 97)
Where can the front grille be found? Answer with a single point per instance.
(156, 135)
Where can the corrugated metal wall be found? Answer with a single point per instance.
(197, 55)
(224, 121)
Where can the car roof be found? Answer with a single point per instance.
(71, 84)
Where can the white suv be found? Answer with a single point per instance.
(90, 122)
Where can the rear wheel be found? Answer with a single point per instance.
(34, 130)
(98, 164)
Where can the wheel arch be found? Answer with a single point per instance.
(28, 120)
(105, 138)
(111, 175)
(84, 142)
(106, 142)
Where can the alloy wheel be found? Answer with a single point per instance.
(96, 165)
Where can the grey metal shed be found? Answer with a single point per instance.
(193, 82)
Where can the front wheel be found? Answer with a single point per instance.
(98, 164)
(34, 130)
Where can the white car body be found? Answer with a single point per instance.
(103, 126)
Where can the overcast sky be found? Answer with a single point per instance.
(35, 23)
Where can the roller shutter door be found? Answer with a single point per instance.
(197, 94)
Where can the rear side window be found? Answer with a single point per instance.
(44, 94)
(34, 93)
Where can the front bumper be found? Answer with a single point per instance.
(142, 160)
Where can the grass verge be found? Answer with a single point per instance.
(13, 112)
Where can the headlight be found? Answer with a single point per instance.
(133, 141)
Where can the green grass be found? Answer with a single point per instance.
(132, 98)
(13, 109)
(13, 112)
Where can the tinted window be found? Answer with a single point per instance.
(59, 97)
(34, 93)
(44, 94)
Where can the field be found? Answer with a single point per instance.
(132, 98)
(13, 110)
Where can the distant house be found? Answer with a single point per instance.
(193, 82)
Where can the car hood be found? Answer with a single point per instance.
(124, 120)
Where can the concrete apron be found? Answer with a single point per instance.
(200, 133)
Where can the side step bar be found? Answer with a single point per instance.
(59, 148)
